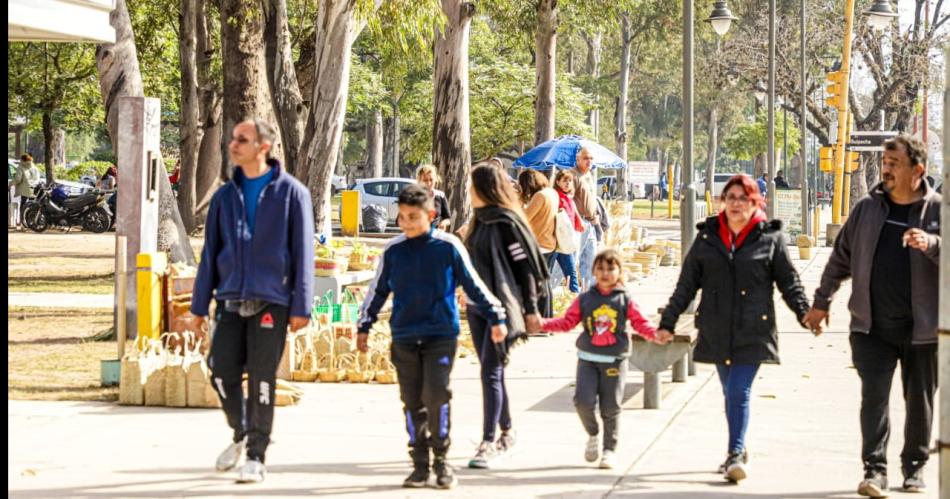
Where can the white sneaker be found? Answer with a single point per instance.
(608, 461)
(230, 457)
(252, 472)
(592, 451)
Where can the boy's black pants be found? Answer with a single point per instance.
(875, 357)
(423, 368)
(254, 345)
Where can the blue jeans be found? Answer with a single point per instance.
(586, 253)
(737, 389)
(566, 263)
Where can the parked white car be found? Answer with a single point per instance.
(719, 181)
(383, 191)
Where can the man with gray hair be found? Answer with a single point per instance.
(890, 248)
(261, 277)
(585, 197)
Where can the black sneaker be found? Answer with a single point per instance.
(914, 482)
(444, 474)
(874, 484)
(417, 479)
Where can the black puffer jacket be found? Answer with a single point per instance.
(736, 315)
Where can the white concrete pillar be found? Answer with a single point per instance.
(138, 164)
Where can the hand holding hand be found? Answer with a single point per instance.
(663, 337)
(499, 333)
(532, 323)
(361, 342)
(813, 318)
(917, 239)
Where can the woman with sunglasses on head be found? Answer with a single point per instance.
(735, 259)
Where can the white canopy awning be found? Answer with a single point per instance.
(60, 21)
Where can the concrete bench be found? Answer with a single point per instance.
(652, 359)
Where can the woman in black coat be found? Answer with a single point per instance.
(736, 258)
(507, 258)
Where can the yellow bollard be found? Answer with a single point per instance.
(669, 198)
(350, 213)
(816, 226)
(709, 208)
(150, 267)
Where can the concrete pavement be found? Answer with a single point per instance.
(348, 440)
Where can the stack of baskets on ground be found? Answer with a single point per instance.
(327, 353)
(155, 375)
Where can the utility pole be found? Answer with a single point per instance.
(688, 191)
(806, 228)
(770, 193)
(943, 435)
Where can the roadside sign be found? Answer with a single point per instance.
(788, 209)
(643, 172)
(869, 141)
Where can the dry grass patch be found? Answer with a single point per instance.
(51, 358)
(56, 262)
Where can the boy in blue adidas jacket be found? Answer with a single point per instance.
(422, 268)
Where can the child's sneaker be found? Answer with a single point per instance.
(230, 456)
(485, 454)
(252, 472)
(418, 478)
(592, 451)
(608, 461)
(444, 474)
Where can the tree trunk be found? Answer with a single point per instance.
(118, 67)
(48, 145)
(189, 131)
(335, 30)
(119, 76)
(451, 138)
(621, 126)
(859, 188)
(387, 147)
(397, 132)
(244, 68)
(712, 151)
(210, 167)
(545, 74)
(282, 80)
(594, 50)
(374, 145)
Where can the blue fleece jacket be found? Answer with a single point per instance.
(274, 263)
(422, 274)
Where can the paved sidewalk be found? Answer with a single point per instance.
(349, 440)
(60, 300)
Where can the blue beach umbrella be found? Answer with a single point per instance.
(562, 151)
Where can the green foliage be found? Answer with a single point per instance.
(501, 102)
(54, 78)
(751, 139)
(366, 91)
(155, 24)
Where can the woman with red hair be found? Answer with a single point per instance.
(736, 257)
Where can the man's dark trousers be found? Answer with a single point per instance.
(423, 368)
(254, 345)
(875, 356)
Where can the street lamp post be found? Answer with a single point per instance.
(720, 19)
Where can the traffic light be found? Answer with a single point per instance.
(835, 89)
(826, 157)
(852, 162)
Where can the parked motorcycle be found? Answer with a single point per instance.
(53, 207)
